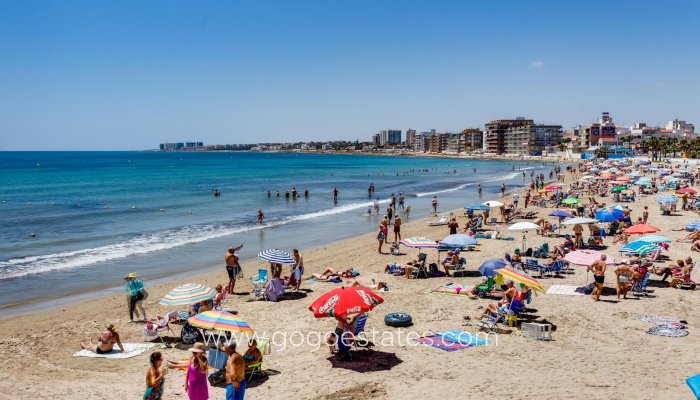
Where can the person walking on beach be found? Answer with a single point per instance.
(503, 189)
(578, 236)
(435, 204)
(516, 197)
(384, 226)
(261, 216)
(401, 201)
(235, 373)
(297, 268)
(155, 378)
(397, 229)
(135, 293)
(598, 269)
(233, 268)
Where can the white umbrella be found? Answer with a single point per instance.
(523, 227)
(493, 203)
(579, 220)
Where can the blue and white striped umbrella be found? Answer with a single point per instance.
(276, 256)
(476, 207)
(457, 241)
(639, 247)
(667, 199)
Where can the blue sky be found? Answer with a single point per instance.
(91, 75)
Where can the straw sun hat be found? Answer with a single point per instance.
(197, 348)
(132, 275)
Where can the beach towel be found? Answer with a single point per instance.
(463, 337)
(666, 331)
(437, 342)
(454, 289)
(566, 290)
(131, 350)
(654, 319)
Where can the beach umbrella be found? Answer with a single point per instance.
(476, 207)
(668, 199)
(586, 177)
(493, 203)
(220, 320)
(345, 300)
(641, 229)
(457, 241)
(276, 256)
(642, 181)
(686, 190)
(560, 214)
(634, 174)
(579, 220)
(524, 227)
(639, 247)
(654, 239)
(489, 267)
(189, 293)
(554, 186)
(622, 179)
(609, 215)
(519, 277)
(672, 179)
(618, 189)
(571, 200)
(419, 243)
(542, 191)
(693, 226)
(586, 257)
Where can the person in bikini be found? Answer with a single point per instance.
(624, 274)
(233, 268)
(108, 338)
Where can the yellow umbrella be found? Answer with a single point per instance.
(519, 277)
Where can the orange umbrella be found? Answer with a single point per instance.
(641, 229)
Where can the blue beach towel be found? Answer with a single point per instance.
(463, 337)
(694, 384)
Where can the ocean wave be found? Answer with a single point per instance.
(143, 244)
(505, 177)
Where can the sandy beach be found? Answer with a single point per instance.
(600, 350)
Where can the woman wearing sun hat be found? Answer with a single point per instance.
(135, 294)
(196, 384)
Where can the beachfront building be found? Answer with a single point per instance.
(410, 137)
(680, 129)
(182, 146)
(422, 140)
(577, 141)
(376, 140)
(390, 137)
(533, 139)
(473, 139)
(495, 133)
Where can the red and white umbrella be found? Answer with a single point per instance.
(586, 257)
(342, 301)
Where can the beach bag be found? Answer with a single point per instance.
(189, 334)
(432, 269)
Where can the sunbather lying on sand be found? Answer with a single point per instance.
(331, 274)
(374, 285)
(108, 338)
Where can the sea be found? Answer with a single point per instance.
(72, 224)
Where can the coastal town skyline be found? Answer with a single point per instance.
(78, 77)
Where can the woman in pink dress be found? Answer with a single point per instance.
(196, 384)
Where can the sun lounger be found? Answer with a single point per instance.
(440, 222)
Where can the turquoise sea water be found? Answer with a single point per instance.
(96, 216)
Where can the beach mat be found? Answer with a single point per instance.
(463, 337)
(131, 350)
(566, 290)
(439, 343)
(454, 289)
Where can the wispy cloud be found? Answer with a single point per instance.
(537, 64)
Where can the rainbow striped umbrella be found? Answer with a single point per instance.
(187, 294)
(221, 320)
(420, 243)
(519, 277)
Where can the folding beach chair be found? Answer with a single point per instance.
(640, 289)
(359, 338)
(259, 283)
(254, 369)
(422, 272)
(152, 329)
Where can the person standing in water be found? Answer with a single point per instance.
(503, 189)
(233, 268)
(335, 195)
(261, 216)
(480, 190)
(435, 204)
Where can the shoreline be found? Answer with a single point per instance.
(610, 331)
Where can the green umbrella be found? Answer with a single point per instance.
(618, 189)
(571, 200)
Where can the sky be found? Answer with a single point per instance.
(128, 75)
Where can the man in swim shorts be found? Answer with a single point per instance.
(233, 268)
(598, 268)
